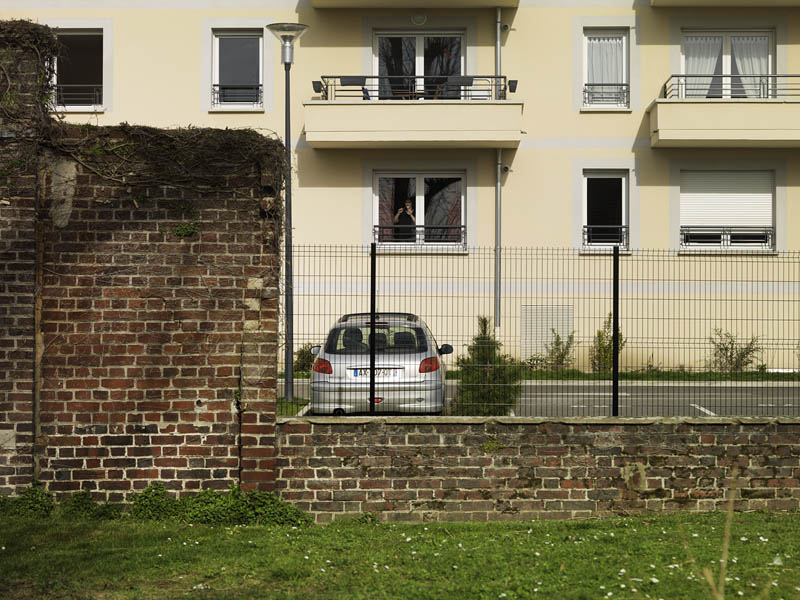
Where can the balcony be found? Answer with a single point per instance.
(405, 236)
(451, 4)
(725, 111)
(240, 96)
(414, 112)
(605, 235)
(726, 3)
(757, 238)
(79, 94)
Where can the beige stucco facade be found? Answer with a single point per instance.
(159, 70)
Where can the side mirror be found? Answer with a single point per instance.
(446, 349)
(315, 350)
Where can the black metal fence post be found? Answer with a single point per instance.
(372, 287)
(615, 339)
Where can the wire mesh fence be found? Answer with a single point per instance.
(531, 332)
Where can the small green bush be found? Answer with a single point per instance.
(490, 380)
(216, 508)
(601, 354)
(81, 505)
(559, 352)
(154, 504)
(729, 355)
(268, 509)
(34, 501)
(303, 359)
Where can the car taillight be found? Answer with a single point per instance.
(322, 366)
(429, 365)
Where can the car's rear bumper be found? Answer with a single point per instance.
(422, 397)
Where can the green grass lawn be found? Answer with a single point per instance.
(290, 409)
(654, 557)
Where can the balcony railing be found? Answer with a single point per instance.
(751, 237)
(606, 94)
(390, 87)
(605, 235)
(79, 94)
(252, 95)
(423, 234)
(732, 86)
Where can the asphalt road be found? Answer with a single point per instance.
(642, 398)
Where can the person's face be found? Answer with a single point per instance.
(409, 206)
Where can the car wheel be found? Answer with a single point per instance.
(338, 412)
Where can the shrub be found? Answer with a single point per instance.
(729, 355)
(303, 359)
(489, 383)
(34, 501)
(216, 508)
(559, 352)
(601, 354)
(81, 505)
(154, 504)
(268, 509)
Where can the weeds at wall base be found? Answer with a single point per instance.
(154, 503)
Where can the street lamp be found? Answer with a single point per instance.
(287, 33)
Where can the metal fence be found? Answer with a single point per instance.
(699, 334)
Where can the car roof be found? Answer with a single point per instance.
(381, 316)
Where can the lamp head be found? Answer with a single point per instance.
(287, 33)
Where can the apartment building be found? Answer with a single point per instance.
(588, 124)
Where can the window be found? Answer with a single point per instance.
(237, 69)
(727, 208)
(605, 208)
(720, 64)
(605, 68)
(79, 68)
(419, 208)
(417, 66)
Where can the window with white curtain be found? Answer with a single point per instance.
(728, 64)
(605, 68)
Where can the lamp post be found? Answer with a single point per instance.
(287, 33)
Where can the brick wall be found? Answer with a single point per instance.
(492, 469)
(145, 352)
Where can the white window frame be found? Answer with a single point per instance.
(726, 35)
(82, 108)
(622, 32)
(420, 205)
(419, 63)
(726, 244)
(236, 32)
(623, 174)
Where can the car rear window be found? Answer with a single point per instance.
(391, 339)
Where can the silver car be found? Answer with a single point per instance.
(409, 372)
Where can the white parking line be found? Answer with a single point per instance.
(703, 410)
(581, 394)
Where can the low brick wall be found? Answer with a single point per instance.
(493, 469)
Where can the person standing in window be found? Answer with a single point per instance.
(405, 223)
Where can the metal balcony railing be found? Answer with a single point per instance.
(750, 237)
(222, 94)
(606, 94)
(79, 94)
(732, 86)
(605, 235)
(422, 234)
(451, 87)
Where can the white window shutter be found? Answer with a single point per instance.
(727, 198)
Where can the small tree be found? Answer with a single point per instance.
(601, 354)
(729, 355)
(303, 359)
(559, 352)
(489, 381)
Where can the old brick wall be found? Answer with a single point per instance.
(138, 321)
(145, 335)
(18, 151)
(491, 469)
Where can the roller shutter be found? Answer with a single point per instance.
(727, 198)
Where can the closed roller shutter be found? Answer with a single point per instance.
(727, 198)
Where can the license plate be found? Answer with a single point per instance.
(359, 373)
